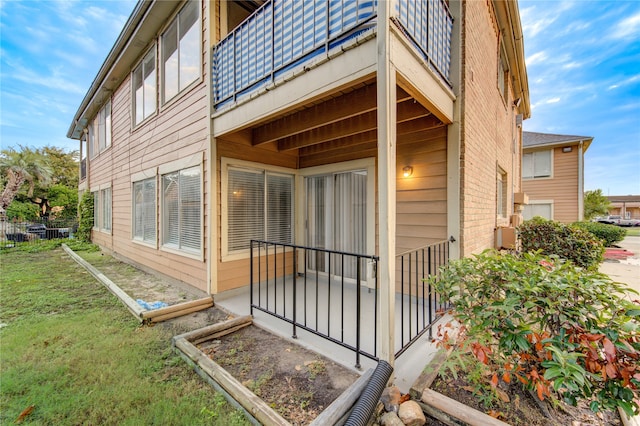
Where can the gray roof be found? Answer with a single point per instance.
(533, 139)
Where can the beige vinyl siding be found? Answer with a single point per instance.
(179, 132)
(421, 199)
(562, 188)
(421, 216)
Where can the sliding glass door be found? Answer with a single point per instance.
(336, 219)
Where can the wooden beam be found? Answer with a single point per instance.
(407, 111)
(449, 410)
(214, 328)
(357, 102)
(203, 303)
(344, 402)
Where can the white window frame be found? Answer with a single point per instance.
(533, 154)
(99, 206)
(538, 202)
(141, 68)
(141, 178)
(164, 99)
(227, 164)
(501, 194)
(173, 167)
(100, 130)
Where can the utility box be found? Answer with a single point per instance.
(516, 220)
(505, 238)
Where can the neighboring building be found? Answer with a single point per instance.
(213, 123)
(553, 175)
(627, 206)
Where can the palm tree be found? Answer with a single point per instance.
(20, 167)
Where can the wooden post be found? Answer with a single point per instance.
(386, 96)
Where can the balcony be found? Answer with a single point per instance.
(283, 34)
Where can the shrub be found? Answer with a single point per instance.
(554, 238)
(560, 331)
(609, 234)
(86, 217)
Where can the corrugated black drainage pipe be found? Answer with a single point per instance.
(368, 400)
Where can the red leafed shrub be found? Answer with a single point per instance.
(560, 331)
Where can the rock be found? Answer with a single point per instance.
(411, 414)
(391, 399)
(391, 419)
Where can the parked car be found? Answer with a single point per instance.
(39, 230)
(618, 220)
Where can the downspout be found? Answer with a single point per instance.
(580, 181)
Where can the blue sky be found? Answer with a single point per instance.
(583, 62)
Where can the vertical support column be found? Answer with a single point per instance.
(211, 169)
(386, 93)
(455, 139)
(581, 183)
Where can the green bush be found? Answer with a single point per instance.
(86, 217)
(554, 238)
(560, 331)
(609, 234)
(22, 211)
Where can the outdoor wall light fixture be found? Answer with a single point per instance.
(566, 149)
(407, 171)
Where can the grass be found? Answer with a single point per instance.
(71, 350)
(634, 232)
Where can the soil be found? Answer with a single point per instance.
(295, 382)
(522, 408)
(139, 284)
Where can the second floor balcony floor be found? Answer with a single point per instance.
(282, 35)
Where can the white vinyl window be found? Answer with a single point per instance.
(501, 202)
(181, 51)
(96, 209)
(182, 210)
(543, 209)
(536, 165)
(260, 207)
(144, 210)
(144, 87)
(105, 199)
(100, 131)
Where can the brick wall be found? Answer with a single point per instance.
(488, 130)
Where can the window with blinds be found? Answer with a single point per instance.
(144, 87)
(182, 210)
(536, 164)
(105, 199)
(96, 209)
(260, 207)
(144, 210)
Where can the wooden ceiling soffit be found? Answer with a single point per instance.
(361, 139)
(407, 111)
(357, 102)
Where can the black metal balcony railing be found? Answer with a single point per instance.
(428, 24)
(284, 33)
(420, 305)
(323, 302)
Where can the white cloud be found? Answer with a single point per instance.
(552, 100)
(625, 82)
(536, 57)
(627, 28)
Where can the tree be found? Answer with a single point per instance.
(18, 168)
(595, 204)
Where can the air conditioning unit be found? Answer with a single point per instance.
(505, 238)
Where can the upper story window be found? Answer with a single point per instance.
(537, 164)
(100, 131)
(181, 51)
(501, 195)
(144, 87)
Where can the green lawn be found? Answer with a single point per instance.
(634, 232)
(73, 352)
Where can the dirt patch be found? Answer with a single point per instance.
(139, 284)
(522, 408)
(297, 383)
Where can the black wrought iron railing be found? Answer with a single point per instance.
(328, 293)
(420, 305)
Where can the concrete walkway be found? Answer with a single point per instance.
(626, 271)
